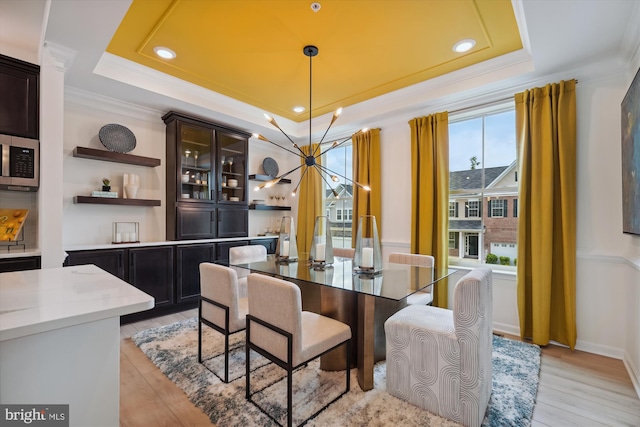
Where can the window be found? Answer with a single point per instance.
(473, 209)
(453, 240)
(482, 179)
(453, 209)
(497, 208)
(341, 209)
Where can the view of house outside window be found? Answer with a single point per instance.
(339, 209)
(483, 189)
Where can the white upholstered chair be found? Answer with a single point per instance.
(278, 329)
(220, 307)
(440, 360)
(424, 297)
(243, 255)
(344, 252)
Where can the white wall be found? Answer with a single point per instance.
(84, 115)
(608, 266)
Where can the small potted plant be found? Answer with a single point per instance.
(106, 184)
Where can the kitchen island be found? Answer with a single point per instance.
(60, 339)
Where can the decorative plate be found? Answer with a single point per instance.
(270, 166)
(117, 138)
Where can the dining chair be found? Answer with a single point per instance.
(424, 297)
(279, 330)
(344, 252)
(243, 255)
(439, 359)
(220, 306)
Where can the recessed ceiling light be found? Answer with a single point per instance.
(164, 52)
(464, 45)
(298, 109)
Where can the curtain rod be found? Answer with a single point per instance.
(487, 104)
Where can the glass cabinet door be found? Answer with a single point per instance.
(197, 174)
(233, 163)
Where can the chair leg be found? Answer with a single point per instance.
(289, 396)
(200, 332)
(348, 370)
(247, 362)
(226, 357)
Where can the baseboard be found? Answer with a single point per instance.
(633, 372)
(506, 329)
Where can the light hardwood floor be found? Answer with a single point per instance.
(576, 388)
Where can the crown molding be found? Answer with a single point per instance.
(62, 56)
(81, 99)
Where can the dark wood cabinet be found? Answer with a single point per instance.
(233, 222)
(270, 244)
(19, 264)
(188, 260)
(222, 249)
(19, 98)
(194, 222)
(110, 260)
(206, 177)
(151, 271)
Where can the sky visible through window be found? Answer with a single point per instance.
(339, 160)
(465, 141)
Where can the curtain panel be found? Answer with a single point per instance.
(309, 202)
(366, 171)
(430, 194)
(546, 144)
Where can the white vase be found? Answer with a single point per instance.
(131, 191)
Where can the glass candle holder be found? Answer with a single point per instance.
(368, 256)
(287, 249)
(321, 251)
(125, 232)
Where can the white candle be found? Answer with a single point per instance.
(125, 237)
(320, 251)
(285, 248)
(118, 237)
(367, 258)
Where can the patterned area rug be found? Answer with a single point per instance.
(173, 349)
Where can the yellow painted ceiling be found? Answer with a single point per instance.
(252, 50)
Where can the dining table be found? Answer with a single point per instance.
(364, 301)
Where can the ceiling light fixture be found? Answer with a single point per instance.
(464, 45)
(298, 109)
(164, 52)
(310, 160)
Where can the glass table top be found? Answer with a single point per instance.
(395, 281)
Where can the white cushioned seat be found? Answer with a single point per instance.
(221, 307)
(244, 255)
(440, 360)
(424, 297)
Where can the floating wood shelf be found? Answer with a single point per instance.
(115, 201)
(110, 156)
(269, 208)
(258, 177)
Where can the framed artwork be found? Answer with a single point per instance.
(631, 158)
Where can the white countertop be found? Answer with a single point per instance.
(19, 253)
(89, 247)
(37, 301)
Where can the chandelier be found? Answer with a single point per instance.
(311, 159)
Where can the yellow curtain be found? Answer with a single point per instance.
(430, 194)
(546, 142)
(366, 171)
(309, 203)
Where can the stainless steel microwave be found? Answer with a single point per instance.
(20, 167)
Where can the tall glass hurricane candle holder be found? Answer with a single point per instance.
(287, 249)
(321, 252)
(368, 256)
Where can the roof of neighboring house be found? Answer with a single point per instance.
(472, 178)
(465, 224)
(342, 190)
